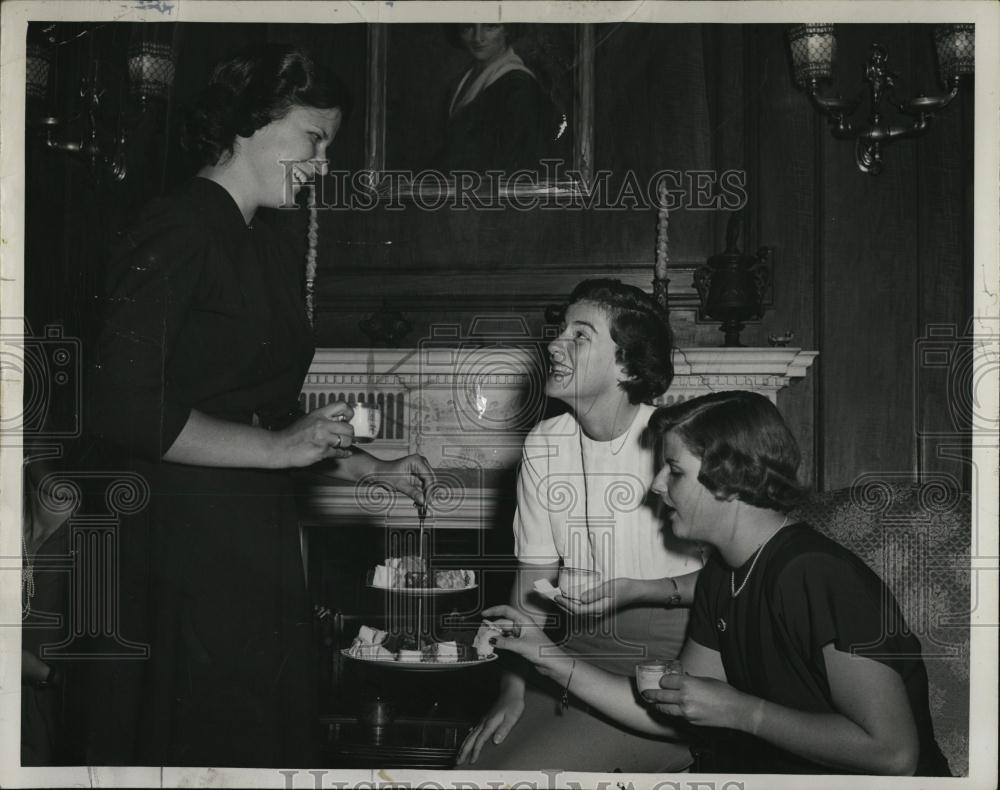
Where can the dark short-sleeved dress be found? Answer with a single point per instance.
(809, 591)
(203, 313)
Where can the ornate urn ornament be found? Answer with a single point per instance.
(731, 285)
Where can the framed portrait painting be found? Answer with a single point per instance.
(479, 108)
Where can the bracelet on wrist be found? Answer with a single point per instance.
(564, 700)
(674, 599)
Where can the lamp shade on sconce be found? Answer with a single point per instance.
(150, 69)
(37, 66)
(813, 47)
(956, 50)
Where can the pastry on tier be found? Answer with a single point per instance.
(441, 652)
(486, 639)
(371, 644)
(412, 573)
(368, 644)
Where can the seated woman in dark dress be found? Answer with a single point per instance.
(499, 115)
(195, 388)
(787, 655)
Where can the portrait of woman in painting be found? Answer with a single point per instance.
(500, 114)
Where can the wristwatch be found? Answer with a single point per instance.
(674, 599)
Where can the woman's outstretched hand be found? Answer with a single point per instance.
(522, 635)
(411, 475)
(322, 433)
(494, 726)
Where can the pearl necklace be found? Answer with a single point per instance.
(756, 555)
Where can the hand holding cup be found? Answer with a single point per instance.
(366, 422)
(648, 673)
(573, 581)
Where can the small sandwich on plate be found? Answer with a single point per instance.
(409, 656)
(441, 652)
(368, 645)
(396, 569)
(454, 579)
(411, 572)
(486, 639)
(441, 580)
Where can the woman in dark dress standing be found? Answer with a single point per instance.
(199, 366)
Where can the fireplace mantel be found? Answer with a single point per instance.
(468, 409)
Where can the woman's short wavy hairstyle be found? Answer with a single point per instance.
(745, 447)
(252, 89)
(641, 331)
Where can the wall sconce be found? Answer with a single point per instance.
(814, 48)
(150, 76)
(39, 61)
(150, 70)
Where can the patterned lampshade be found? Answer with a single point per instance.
(38, 62)
(956, 50)
(813, 48)
(150, 69)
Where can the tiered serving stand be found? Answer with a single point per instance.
(423, 629)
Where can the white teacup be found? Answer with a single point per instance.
(366, 422)
(573, 581)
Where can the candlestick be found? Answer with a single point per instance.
(311, 254)
(662, 240)
(660, 280)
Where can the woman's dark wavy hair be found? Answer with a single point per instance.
(743, 443)
(252, 89)
(453, 32)
(641, 331)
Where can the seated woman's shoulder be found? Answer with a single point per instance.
(807, 553)
(561, 426)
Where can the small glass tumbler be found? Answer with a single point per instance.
(648, 673)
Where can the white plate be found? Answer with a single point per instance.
(421, 666)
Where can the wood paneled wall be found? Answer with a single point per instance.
(884, 260)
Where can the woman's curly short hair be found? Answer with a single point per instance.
(249, 91)
(641, 331)
(745, 447)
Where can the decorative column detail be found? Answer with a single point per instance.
(94, 623)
